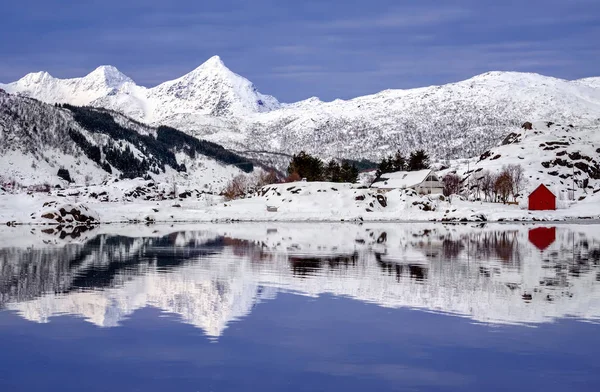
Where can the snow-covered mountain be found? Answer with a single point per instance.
(211, 90)
(103, 81)
(450, 121)
(94, 144)
(214, 275)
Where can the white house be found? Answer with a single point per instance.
(422, 181)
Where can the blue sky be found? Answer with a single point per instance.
(298, 49)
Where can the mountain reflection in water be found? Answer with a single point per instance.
(214, 274)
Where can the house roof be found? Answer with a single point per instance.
(401, 179)
(542, 188)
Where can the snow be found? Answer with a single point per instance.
(143, 201)
(402, 179)
(537, 150)
(102, 81)
(450, 121)
(35, 147)
(545, 152)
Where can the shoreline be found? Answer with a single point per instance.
(579, 220)
(286, 203)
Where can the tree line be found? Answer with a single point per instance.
(304, 165)
(417, 160)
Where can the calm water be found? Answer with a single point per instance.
(304, 307)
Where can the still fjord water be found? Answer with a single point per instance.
(300, 307)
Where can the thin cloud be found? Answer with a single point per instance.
(401, 18)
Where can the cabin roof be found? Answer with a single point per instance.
(541, 188)
(402, 179)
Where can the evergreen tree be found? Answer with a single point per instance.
(418, 160)
(399, 163)
(306, 166)
(333, 171)
(385, 166)
(349, 173)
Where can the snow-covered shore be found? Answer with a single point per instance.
(291, 202)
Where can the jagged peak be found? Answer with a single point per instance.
(214, 61)
(35, 77)
(214, 66)
(109, 75)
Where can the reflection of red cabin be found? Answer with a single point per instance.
(542, 199)
(542, 237)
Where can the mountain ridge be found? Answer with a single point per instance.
(455, 120)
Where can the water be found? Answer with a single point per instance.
(300, 307)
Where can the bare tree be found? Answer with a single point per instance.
(265, 178)
(503, 185)
(451, 183)
(476, 180)
(236, 188)
(517, 174)
(487, 184)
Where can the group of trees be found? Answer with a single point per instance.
(175, 139)
(243, 184)
(302, 165)
(312, 168)
(157, 152)
(495, 187)
(417, 160)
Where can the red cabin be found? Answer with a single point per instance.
(542, 198)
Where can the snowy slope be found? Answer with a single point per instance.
(561, 156)
(450, 121)
(38, 140)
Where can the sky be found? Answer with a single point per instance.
(299, 49)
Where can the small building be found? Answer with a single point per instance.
(423, 182)
(541, 199)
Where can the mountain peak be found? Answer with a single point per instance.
(213, 65)
(215, 61)
(108, 75)
(34, 78)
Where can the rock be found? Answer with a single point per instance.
(382, 200)
(511, 138)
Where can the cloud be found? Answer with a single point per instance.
(294, 49)
(401, 18)
(298, 50)
(288, 69)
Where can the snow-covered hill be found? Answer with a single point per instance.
(450, 121)
(93, 145)
(561, 156)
